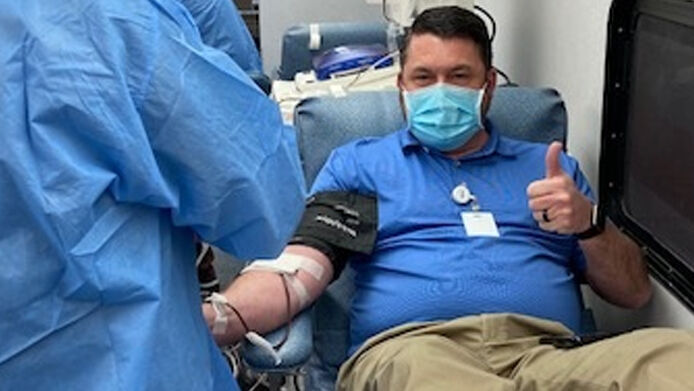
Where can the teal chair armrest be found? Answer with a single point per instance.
(295, 351)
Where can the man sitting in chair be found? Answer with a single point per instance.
(466, 245)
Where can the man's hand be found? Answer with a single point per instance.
(557, 205)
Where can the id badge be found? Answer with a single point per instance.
(480, 224)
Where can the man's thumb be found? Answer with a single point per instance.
(552, 160)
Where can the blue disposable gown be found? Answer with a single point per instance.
(222, 27)
(121, 136)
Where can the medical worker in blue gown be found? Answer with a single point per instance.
(122, 135)
(222, 27)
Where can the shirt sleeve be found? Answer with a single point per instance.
(223, 150)
(154, 117)
(222, 27)
(339, 173)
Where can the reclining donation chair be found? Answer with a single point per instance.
(324, 123)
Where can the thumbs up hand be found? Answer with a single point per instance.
(557, 205)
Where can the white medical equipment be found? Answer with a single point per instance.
(400, 14)
(290, 92)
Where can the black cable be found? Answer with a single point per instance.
(285, 337)
(509, 82)
(490, 18)
(238, 315)
(289, 315)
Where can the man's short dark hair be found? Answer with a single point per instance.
(451, 22)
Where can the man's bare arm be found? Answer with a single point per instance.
(268, 294)
(261, 297)
(616, 268)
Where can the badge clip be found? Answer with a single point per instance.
(462, 196)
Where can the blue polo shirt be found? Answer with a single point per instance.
(425, 267)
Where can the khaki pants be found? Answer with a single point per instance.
(502, 352)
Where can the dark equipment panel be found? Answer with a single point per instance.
(647, 157)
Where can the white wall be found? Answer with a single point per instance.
(558, 43)
(663, 311)
(277, 15)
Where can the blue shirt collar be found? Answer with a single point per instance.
(495, 143)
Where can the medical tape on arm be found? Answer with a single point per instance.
(288, 265)
(220, 304)
(221, 318)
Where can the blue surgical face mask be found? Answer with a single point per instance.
(444, 116)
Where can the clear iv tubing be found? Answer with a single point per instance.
(372, 67)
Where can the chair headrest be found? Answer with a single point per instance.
(532, 114)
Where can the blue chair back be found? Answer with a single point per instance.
(324, 123)
(297, 55)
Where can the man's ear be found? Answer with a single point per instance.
(489, 89)
(492, 76)
(401, 99)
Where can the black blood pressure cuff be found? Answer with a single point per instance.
(339, 224)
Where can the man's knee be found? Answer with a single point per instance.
(386, 366)
(392, 364)
(407, 364)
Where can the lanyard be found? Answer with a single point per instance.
(460, 194)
